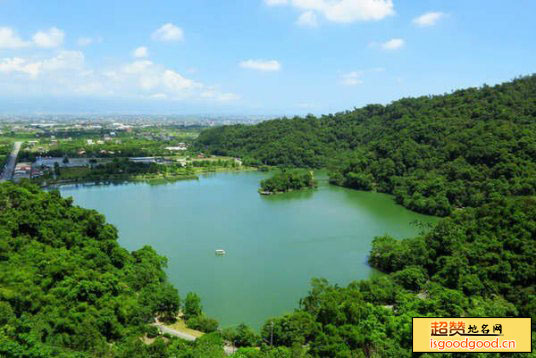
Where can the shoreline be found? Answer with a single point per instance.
(151, 180)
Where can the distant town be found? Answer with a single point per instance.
(64, 149)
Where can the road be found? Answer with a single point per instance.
(228, 349)
(7, 174)
(174, 332)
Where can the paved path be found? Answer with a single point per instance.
(228, 349)
(7, 174)
(174, 332)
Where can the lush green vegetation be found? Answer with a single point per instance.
(5, 148)
(68, 290)
(99, 143)
(287, 180)
(66, 286)
(434, 153)
(123, 169)
(79, 148)
(117, 170)
(478, 262)
(193, 314)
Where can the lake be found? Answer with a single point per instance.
(274, 244)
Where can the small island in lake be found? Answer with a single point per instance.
(285, 181)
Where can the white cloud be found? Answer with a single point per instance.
(21, 65)
(65, 60)
(307, 19)
(261, 65)
(355, 78)
(51, 38)
(176, 82)
(71, 60)
(159, 96)
(393, 44)
(84, 41)
(212, 93)
(135, 67)
(343, 11)
(10, 39)
(428, 19)
(157, 82)
(168, 32)
(141, 52)
(276, 2)
(65, 74)
(227, 97)
(352, 78)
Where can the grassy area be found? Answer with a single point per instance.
(222, 169)
(180, 326)
(73, 173)
(156, 179)
(88, 175)
(82, 176)
(6, 145)
(103, 143)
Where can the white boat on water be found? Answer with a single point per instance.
(220, 252)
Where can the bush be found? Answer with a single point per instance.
(192, 306)
(152, 331)
(241, 336)
(284, 181)
(297, 327)
(203, 324)
(412, 278)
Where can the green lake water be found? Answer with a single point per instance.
(274, 245)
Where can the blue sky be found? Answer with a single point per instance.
(253, 56)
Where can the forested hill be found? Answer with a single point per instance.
(434, 153)
(67, 289)
(475, 263)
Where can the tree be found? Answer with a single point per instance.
(241, 336)
(56, 169)
(202, 323)
(192, 306)
(295, 328)
(6, 313)
(434, 153)
(168, 304)
(88, 296)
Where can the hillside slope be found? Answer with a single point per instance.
(67, 289)
(434, 153)
(475, 263)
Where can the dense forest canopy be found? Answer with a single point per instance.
(287, 180)
(434, 153)
(476, 263)
(67, 289)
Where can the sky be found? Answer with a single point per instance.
(263, 57)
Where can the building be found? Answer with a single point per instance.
(37, 173)
(22, 170)
(179, 147)
(143, 160)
